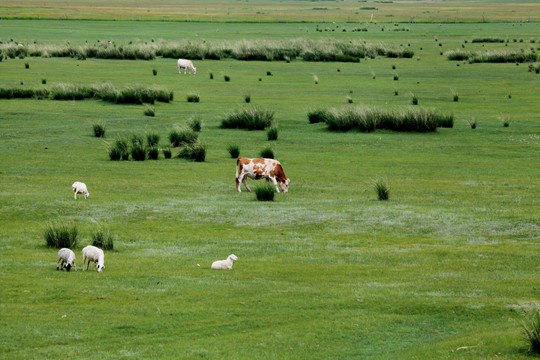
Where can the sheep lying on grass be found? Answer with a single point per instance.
(225, 264)
(80, 188)
(92, 253)
(67, 257)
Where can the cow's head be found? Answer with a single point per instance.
(284, 185)
(100, 267)
(86, 195)
(68, 267)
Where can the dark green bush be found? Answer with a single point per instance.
(195, 151)
(99, 130)
(102, 239)
(234, 150)
(317, 115)
(182, 136)
(152, 139)
(272, 133)
(193, 98)
(153, 153)
(251, 118)
(531, 329)
(167, 152)
(381, 189)
(61, 236)
(267, 153)
(265, 193)
(195, 123)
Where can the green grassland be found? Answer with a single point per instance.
(442, 270)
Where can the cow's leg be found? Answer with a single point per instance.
(246, 184)
(75, 194)
(58, 262)
(275, 184)
(238, 185)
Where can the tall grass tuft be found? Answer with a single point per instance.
(167, 154)
(26, 65)
(531, 330)
(267, 153)
(368, 119)
(119, 150)
(60, 236)
(153, 153)
(250, 118)
(193, 98)
(472, 123)
(414, 99)
(195, 123)
(149, 111)
(182, 136)
(317, 115)
(102, 239)
(455, 95)
(154, 71)
(195, 151)
(265, 193)
(227, 78)
(44, 81)
(99, 130)
(272, 133)
(152, 139)
(381, 189)
(234, 150)
(138, 150)
(247, 98)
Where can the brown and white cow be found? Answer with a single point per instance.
(256, 169)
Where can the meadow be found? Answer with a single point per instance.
(446, 268)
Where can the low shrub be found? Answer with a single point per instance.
(115, 154)
(167, 154)
(152, 139)
(102, 239)
(531, 330)
(195, 123)
(153, 153)
(211, 76)
(44, 81)
(195, 151)
(247, 98)
(251, 118)
(154, 71)
(26, 65)
(317, 116)
(182, 136)
(472, 123)
(272, 133)
(349, 99)
(381, 189)
(227, 78)
(193, 98)
(414, 100)
(119, 150)
(99, 130)
(60, 236)
(149, 111)
(267, 153)
(234, 150)
(138, 153)
(265, 193)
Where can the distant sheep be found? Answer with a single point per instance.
(224, 264)
(80, 188)
(67, 259)
(92, 253)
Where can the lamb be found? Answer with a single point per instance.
(224, 264)
(94, 254)
(67, 257)
(80, 188)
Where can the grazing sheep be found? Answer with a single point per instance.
(225, 264)
(67, 257)
(94, 254)
(80, 188)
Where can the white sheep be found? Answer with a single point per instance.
(80, 188)
(67, 257)
(225, 264)
(92, 253)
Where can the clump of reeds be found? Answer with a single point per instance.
(167, 154)
(182, 136)
(103, 239)
(534, 67)
(531, 330)
(317, 116)
(267, 153)
(367, 119)
(247, 98)
(472, 123)
(211, 76)
(195, 123)
(227, 78)
(119, 150)
(193, 98)
(234, 150)
(154, 71)
(396, 77)
(381, 189)
(349, 99)
(250, 118)
(455, 95)
(152, 139)
(272, 133)
(149, 111)
(195, 151)
(505, 121)
(99, 130)
(265, 193)
(44, 81)
(26, 65)
(414, 99)
(61, 236)
(153, 153)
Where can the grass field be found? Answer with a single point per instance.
(444, 269)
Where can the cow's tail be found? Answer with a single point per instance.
(237, 167)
